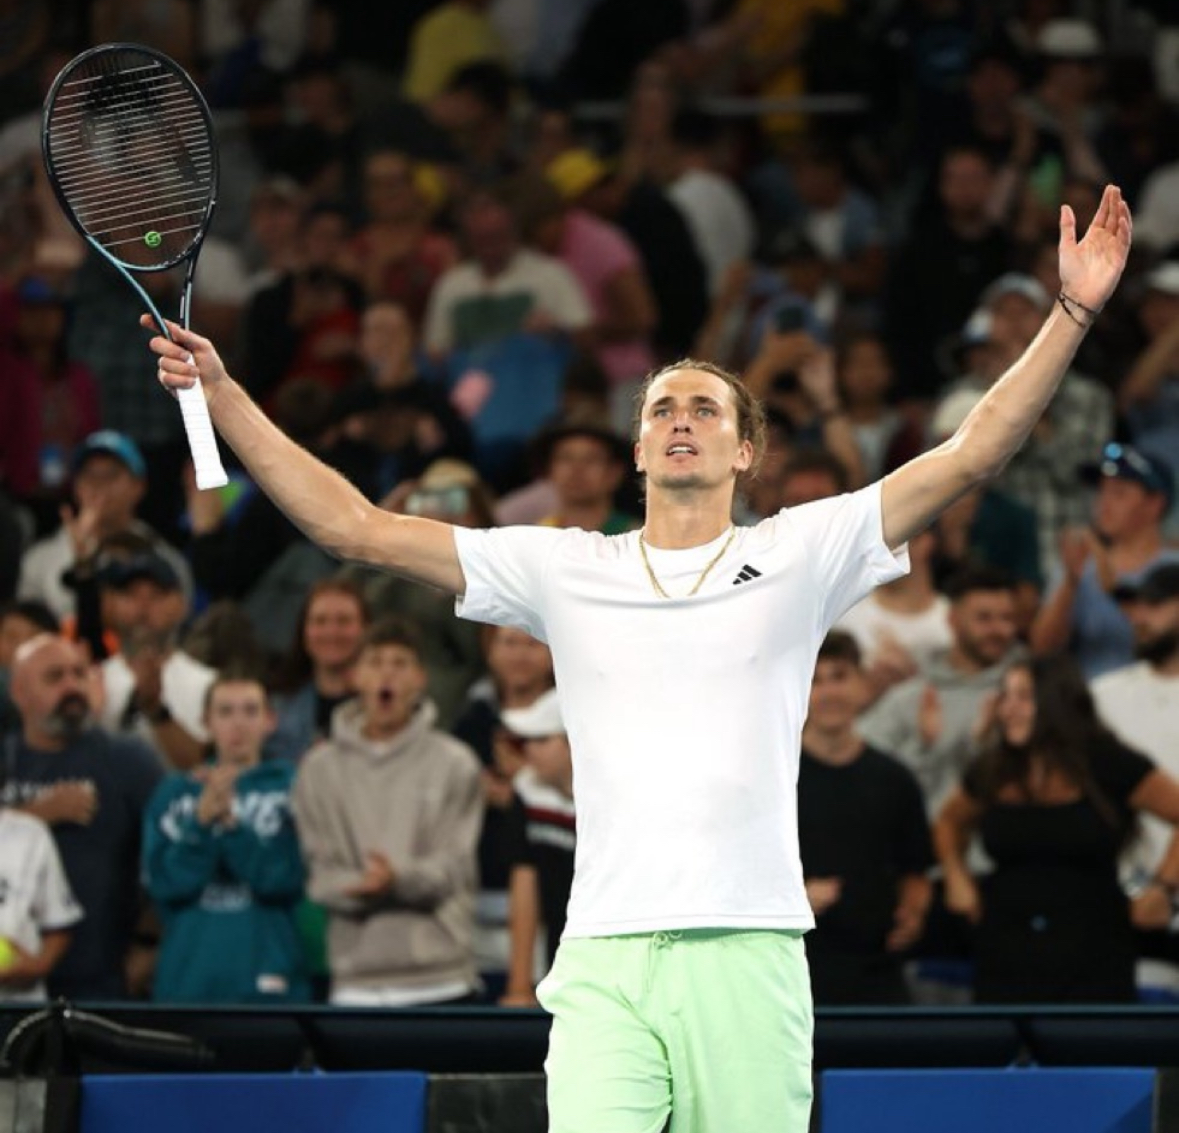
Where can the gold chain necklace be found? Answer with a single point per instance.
(658, 586)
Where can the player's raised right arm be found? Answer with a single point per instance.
(328, 509)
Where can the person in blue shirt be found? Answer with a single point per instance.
(223, 865)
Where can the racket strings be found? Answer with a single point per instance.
(134, 160)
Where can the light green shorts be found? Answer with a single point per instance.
(711, 1027)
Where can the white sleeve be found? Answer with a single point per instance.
(54, 905)
(504, 570)
(564, 298)
(844, 541)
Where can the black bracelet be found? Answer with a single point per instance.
(1065, 300)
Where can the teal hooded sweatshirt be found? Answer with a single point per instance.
(227, 893)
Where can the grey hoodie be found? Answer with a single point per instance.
(417, 799)
(892, 724)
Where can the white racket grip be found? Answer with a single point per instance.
(202, 441)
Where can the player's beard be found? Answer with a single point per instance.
(69, 717)
(681, 482)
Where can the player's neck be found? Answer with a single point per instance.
(690, 521)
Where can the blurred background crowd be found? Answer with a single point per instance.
(451, 238)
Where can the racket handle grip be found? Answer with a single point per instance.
(202, 441)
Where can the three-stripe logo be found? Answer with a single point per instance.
(746, 574)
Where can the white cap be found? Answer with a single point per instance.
(951, 411)
(1069, 39)
(1164, 278)
(541, 718)
(1016, 283)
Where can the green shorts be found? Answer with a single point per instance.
(710, 1027)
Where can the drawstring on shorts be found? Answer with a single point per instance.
(659, 941)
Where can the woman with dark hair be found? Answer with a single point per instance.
(316, 676)
(1054, 799)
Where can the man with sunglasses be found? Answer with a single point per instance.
(1124, 541)
(684, 654)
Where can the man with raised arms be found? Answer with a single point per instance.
(684, 653)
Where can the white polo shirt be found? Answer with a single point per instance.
(684, 715)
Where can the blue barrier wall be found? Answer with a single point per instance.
(255, 1103)
(987, 1101)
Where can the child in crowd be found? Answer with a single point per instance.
(222, 863)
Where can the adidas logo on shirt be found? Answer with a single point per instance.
(746, 574)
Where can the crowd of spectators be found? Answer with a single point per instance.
(452, 237)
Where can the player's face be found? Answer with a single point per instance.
(837, 694)
(239, 720)
(390, 682)
(689, 434)
(1016, 708)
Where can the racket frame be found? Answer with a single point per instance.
(210, 477)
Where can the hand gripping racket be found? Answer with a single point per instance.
(128, 145)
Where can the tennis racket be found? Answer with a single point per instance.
(128, 145)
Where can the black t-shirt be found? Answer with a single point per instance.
(863, 822)
(476, 727)
(101, 860)
(545, 839)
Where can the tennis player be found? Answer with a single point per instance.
(683, 653)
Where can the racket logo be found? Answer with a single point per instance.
(152, 239)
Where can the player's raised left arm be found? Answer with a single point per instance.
(914, 495)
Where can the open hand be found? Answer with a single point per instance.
(1090, 269)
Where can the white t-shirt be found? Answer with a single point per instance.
(1142, 709)
(184, 681)
(718, 218)
(684, 715)
(532, 282)
(921, 635)
(35, 896)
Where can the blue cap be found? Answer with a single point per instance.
(107, 442)
(1122, 462)
(120, 572)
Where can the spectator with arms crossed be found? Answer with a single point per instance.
(389, 811)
